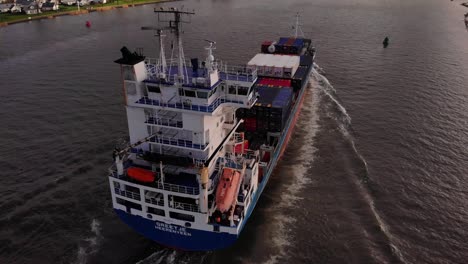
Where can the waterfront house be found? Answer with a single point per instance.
(50, 6)
(83, 2)
(5, 8)
(68, 2)
(32, 9)
(15, 8)
(29, 7)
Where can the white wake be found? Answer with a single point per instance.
(91, 244)
(307, 125)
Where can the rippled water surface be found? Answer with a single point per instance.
(377, 171)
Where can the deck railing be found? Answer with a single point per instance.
(154, 201)
(157, 185)
(177, 188)
(163, 122)
(228, 72)
(132, 195)
(177, 142)
(192, 107)
(185, 206)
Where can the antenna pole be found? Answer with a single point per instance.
(162, 56)
(297, 28)
(176, 27)
(178, 30)
(297, 24)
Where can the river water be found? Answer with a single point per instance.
(377, 171)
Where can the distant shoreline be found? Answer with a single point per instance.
(83, 10)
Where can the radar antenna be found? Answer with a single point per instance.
(174, 25)
(210, 59)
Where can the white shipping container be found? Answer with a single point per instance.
(274, 64)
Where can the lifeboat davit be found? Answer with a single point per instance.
(140, 174)
(227, 188)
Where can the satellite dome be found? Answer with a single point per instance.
(271, 48)
(211, 58)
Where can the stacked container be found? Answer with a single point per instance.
(274, 65)
(270, 112)
(299, 76)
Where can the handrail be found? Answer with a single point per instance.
(178, 142)
(153, 68)
(154, 201)
(184, 206)
(158, 185)
(199, 108)
(132, 195)
(164, 121)
(177, 188)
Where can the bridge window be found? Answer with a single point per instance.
(128, 73)
(202, 94)
(153, 89)
(190, 93)
(242, 90)
(232, 89)
(212, 92)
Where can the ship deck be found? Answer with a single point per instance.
(181, 183)
(236, 74)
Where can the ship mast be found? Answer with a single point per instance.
(162, 65)
(297, 27)
(162, 56)
(175, 25)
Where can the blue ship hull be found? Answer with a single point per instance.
(177, 237)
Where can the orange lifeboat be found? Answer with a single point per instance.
(140, 174)
(227, 188)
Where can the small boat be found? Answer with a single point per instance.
(88, 24)
(140, 174)
(227, 189)
(385, 42)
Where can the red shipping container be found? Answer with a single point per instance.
(266, 157)
(275, 82)
(290, 42)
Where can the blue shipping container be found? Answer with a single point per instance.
(282, 41)
(283, 98)
(299, 43)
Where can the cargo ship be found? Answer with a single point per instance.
(205, 136)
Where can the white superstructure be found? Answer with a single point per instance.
(182, 128)
(193, 170)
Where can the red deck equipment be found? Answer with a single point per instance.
(140, 174)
